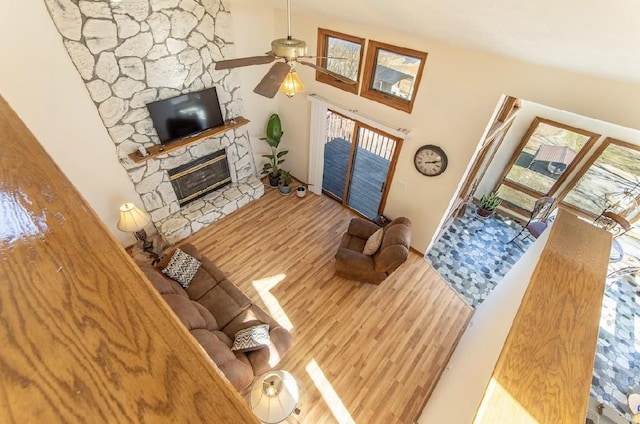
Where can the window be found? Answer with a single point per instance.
(547, 154)
(342, 54)
(392, 75)
(614, 168)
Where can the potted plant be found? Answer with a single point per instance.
(273, 137)
(488, 203)
(301, 190)
(285, 183)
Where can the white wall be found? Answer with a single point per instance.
(41, 84)
(458, 93)
(253, 31)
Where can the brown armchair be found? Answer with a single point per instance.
(353, 264)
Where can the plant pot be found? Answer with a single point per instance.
(301, 191)
(483, 213)
(274, 180)
(285, 190)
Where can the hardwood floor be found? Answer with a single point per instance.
(362, 353)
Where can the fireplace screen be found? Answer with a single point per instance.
(195, 179)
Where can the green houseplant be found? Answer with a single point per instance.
(285, 183)
(273, 137)
(488, 203)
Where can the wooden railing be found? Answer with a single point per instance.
(339, 126)
(84, 336)
(544, 372)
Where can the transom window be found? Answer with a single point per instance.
(342, 54)
(392, 75)
(545, 157)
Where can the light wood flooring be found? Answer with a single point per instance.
(362, 353)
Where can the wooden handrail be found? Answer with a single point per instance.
(544, 372)
(84, 336)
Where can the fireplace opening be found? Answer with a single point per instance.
(195, 179)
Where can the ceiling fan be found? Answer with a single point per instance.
(291, 51)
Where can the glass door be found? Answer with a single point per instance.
(337, 154)
(358, 164)
(371, 163)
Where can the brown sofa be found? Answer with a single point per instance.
(394, 250)
(213, 310)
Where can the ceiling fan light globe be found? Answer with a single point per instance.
(291, 84)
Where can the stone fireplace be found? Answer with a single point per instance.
(130, 53)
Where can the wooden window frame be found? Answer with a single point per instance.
(556, 186)
(583, 170)
(323, 35)
(369, 72)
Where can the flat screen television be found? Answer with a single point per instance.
(186, 114)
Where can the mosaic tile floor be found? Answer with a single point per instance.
(474, 255)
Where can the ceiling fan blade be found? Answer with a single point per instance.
(270, 83)
(326, 71)
(244, 61)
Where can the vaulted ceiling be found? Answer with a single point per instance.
(598, 37)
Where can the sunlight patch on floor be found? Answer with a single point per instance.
(263, 286)
(329, 395)
(498, 403)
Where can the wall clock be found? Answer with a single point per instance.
(430, 160)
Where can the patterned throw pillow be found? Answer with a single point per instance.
(182, 268)
(373, 243)
(252, 338)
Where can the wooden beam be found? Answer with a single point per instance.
(543, 374)
(84, 336)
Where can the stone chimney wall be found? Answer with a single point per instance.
(133, 52)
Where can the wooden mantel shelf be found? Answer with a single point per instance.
(160, 149)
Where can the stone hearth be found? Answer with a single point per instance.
(202, 212)
(133, 52)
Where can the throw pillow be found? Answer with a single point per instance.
(373, 243)
(252, 338)
(182, 267)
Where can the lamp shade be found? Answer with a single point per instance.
(274, 396)
(291, 84)
(132, 218)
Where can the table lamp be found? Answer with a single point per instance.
(133, 220)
